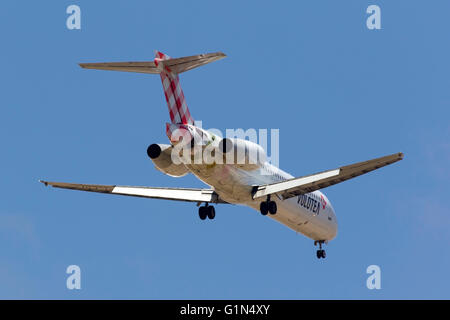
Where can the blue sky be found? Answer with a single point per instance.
(338, 92)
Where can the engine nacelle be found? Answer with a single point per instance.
(162, 159)
(244, 154)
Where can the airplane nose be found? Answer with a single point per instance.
(334, 228)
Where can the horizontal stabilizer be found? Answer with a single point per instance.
(180, 194)
(176, 65)
(298, 186)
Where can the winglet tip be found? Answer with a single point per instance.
(221, 55)
(44, 182)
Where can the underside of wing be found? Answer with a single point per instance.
(179, 194)
(297, 186)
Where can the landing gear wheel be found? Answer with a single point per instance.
(211, 212)
(320, 253)
(202, 213)
(272, 207)
(264, 208)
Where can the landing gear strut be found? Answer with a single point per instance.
(206, 211)
(268, 206)
(320, 253)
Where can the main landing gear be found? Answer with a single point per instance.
(206, 211)
(268, 206)
(320, 253)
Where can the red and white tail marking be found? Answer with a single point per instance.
(168, 69)
(178, 110)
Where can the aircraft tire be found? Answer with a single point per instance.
(272, 207)
(264, 208)
(202, 213)
(211, 212)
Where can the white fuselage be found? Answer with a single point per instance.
(310, 214)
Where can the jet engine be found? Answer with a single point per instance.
(162, 159)
(244, 154)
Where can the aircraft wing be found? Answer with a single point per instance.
(179, 194)
(177, 65)
(297, 186)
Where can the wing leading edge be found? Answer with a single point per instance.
(297, 186)
(179, 194)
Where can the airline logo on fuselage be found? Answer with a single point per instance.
(310, 203)
(323, 201)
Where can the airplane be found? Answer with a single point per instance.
(296, 202)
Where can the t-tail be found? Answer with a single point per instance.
(169, 69)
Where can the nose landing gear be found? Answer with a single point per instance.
(320, 253)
